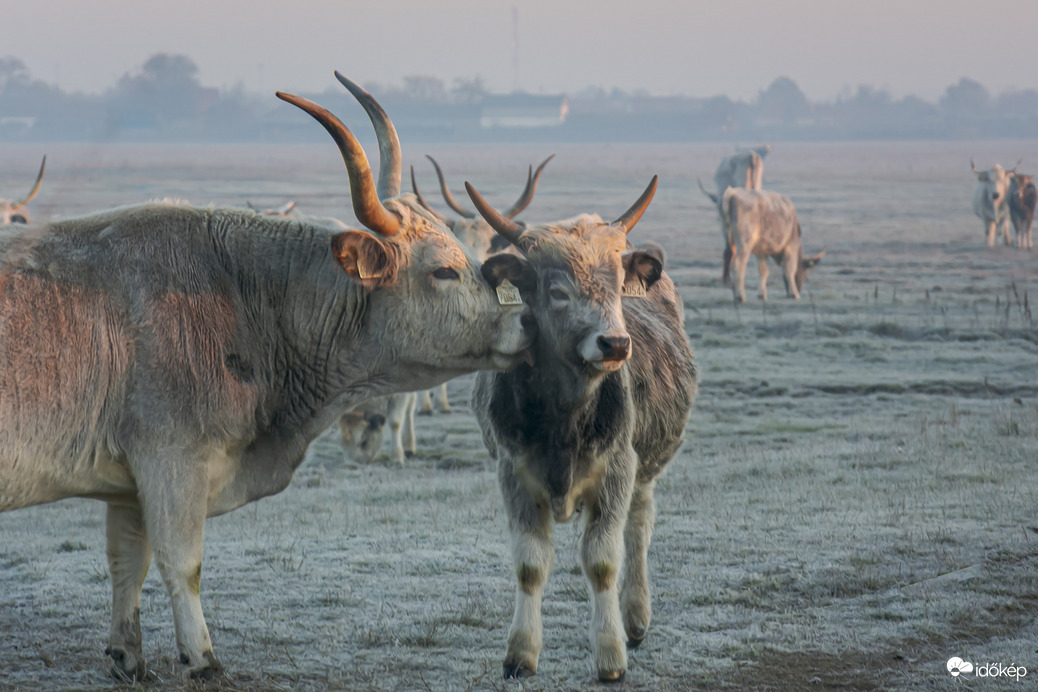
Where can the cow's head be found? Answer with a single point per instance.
(993, 184)
(471, 229)
(583, 268)
(805, 264)
(429, 306)
(16, 212)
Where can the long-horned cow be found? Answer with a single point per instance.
(18, 212)
(764, 224)
(1022, 200)
(990, 200)
(590, 424)
(475, 233)
(176, 362)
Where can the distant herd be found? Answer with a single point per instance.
(175, 362)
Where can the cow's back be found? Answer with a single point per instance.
(764, 221)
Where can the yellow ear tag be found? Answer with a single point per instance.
(508, 294)
(633, 289)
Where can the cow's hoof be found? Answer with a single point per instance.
(611, 675)
(125, 666)
(634, 642)
(445, 409)
(515, 670)
(210, 670)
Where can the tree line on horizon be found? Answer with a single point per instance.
(164, 100)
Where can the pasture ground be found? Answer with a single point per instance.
(856, 501)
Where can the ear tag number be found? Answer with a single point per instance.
(633, 289)
(508, 294)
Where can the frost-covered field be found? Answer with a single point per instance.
(856, 501)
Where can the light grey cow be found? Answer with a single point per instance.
(763, 224)
(18, 212)
(1023, 196)
(176, 362)
(991, 200)
(745, 169)
(590, 424)
(476, 234)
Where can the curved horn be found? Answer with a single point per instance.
(713, 198)
(39, 181)
(631, 216)
(510, 230)
(366, 204)
(531, 187)
(449, 223)
(390, 164)
(974, 167)
(1013, 169)
(447, 193)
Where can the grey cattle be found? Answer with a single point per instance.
(363, 429)
(176, 362)
(474, 233)
(590, 424)
(990, 200)
(18, 212)
(763, 224)
(1022, 199)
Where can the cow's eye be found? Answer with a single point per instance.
(445, 273)
(558, 295)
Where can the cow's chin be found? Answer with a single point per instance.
(606, 365)
(507, 361)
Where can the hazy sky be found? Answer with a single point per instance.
(734, 47)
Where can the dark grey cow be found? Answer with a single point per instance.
(1022, 199)
(590, 424)
(763, 224)
(176, 361)
(17, 212)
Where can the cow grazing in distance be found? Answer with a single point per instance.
(990, 200)
(283, 211)
(17, 212)
(477, 235)
(1022, 199)
(764, 224)
(176, 362)
(363, 429)
(590, 424)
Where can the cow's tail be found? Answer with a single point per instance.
(712, 196)
(729, 245)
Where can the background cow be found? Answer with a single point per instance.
(17, 212)
(745, 169)
(363, 429)
(476, 234)
(1022, 199)
(990, 200)
(590, 424)
(176, 361)
(764, 224)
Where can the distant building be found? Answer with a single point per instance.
(523, 111)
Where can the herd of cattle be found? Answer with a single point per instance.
(176, 362)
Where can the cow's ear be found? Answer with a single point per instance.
(643, 268)
(366, 259)
(809, 262)
(515, 269)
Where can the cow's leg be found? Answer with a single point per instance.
(425, 406)
(532, 555)
(129, 557)
(990, 231)
(441, 400)
(635, 603)
(410, 443)
(762, 267)
(790, 263)
(173, 491)
(739, 262)
(396, 415)
(601, 550)
(1005, 233)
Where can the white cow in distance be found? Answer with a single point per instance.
(764, 224)
(991, 200)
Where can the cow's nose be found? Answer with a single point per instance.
(994, 195)
(614, 347)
